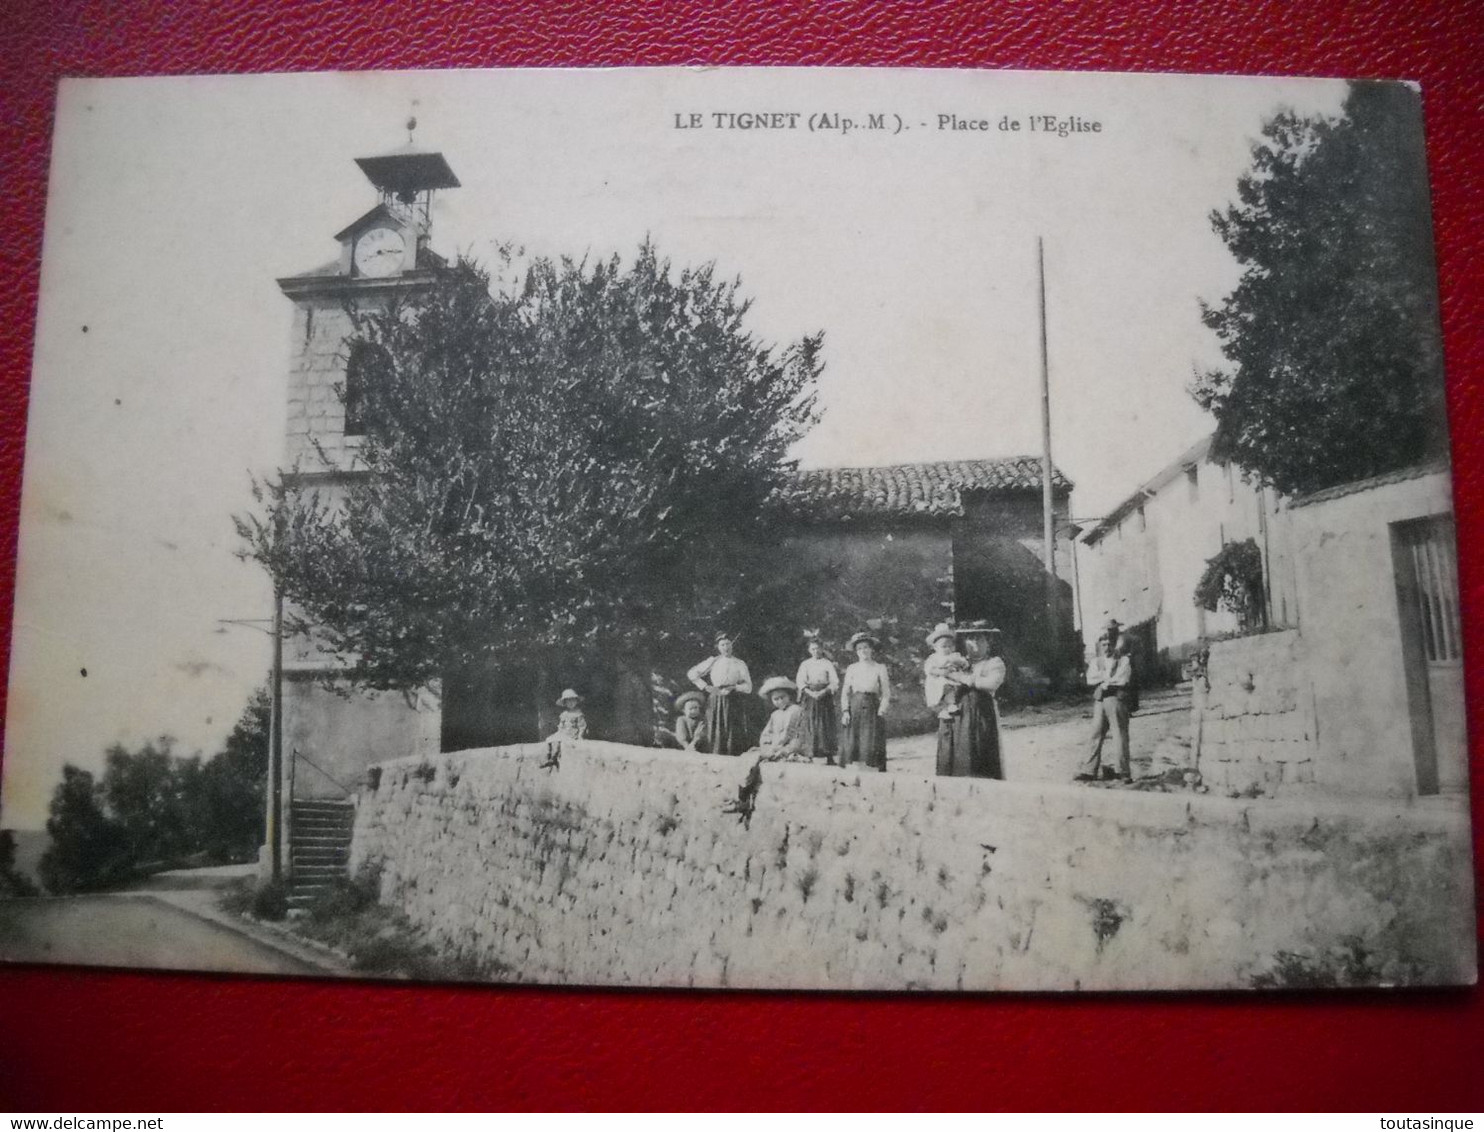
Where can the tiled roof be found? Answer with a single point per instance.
(934, 489)
(1398, 476)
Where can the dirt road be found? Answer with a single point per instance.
(132, 931)
(1050, 751)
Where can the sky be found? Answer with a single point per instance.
(163, 342)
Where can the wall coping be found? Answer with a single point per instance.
(1437, 813)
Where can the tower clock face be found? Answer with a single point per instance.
(380, 252)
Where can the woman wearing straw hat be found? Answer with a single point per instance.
(726, 681)
(819, 688)
(969, 742)
(866, 689)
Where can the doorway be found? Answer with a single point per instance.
(1425, 558)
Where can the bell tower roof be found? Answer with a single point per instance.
(406, 172)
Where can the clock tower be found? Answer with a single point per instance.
(329, 736)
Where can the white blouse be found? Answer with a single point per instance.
(869, 676)
(725, 673)
(818, 675)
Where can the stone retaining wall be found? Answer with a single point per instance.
(620, 866)
(1255, 722)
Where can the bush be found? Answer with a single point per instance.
(270, 901)
(1233, 581)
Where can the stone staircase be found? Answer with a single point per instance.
(319, 847)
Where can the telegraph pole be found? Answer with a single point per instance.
(275, 746)
(1048, 532)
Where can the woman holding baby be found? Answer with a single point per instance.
(968, 714)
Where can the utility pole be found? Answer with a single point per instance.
(1048, 532)
(275, 747)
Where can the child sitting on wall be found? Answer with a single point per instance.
(571, 724)
(783, 737)
(690, 728)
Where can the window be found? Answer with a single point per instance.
(363, 355)
(1429, 550)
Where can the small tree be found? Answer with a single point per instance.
(13, 884)
(1331, 336)
(228, 801)
(88, 849)
(1233, 581)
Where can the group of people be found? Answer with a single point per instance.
(841, 719)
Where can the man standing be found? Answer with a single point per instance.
(1111, 677)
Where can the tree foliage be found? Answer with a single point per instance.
(153, 809)
(13, 883)
(579, 460)
(1331, 336)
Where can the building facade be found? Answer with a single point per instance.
(1141, 564)
(1353, 685)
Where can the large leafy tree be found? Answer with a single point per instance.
(1331, 336)
(577, 459)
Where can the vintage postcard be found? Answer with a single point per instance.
(840, 529)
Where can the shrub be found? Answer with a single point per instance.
(1233, 581)
(270, 901)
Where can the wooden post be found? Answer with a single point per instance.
(1048, 531)
(275, 748)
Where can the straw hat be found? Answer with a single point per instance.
(569, 694)
(864, 636)
(941, 630)
(724, 635)
(689, 697)
(975, 629)
(777, 684)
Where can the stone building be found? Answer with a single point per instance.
(914, 544)
(329, 737)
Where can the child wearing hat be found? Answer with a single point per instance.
(942, 664)
(571, 724)
(690, 728)
(783, 735)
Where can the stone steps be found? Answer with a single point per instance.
(319, 848)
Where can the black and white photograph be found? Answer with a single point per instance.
(830, 529)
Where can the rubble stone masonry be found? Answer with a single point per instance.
(621, 865)
(1255, 723)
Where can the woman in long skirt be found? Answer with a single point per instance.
(727, 684)
(867, 692)
(819, 690)
(969, 743)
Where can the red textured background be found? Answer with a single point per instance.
(73, 1039)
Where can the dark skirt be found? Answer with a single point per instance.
(865, 734)
(727, 725)
(969, 743)
(819, 726)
